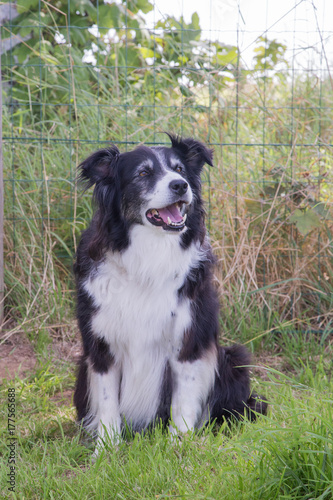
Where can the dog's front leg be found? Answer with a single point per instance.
(104, 394)
(193, 382)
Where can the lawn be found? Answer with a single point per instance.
(288, 454)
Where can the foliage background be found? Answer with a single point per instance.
(80, 74)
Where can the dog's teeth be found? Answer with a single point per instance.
(154, 212)
(185, 217)
(169, 221)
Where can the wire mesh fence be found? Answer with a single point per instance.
(80, 74)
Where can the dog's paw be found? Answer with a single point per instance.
(103, 444)
(107, 438)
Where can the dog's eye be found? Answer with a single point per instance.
(178, 169)
(142, 173)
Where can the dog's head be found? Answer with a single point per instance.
(157, 187)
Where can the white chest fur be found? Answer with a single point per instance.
(139, 315)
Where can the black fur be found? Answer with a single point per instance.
(231, 396)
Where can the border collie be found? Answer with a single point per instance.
(147, 308)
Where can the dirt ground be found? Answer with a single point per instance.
(17, 357)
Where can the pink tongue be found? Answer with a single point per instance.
(172, 212)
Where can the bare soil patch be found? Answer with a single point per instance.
(17, 357)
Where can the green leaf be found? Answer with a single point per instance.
(135, 5)
(228, 55)
(145, 52)
(321, 209)
(185, 91)
(144, 6)
(24, 5)
(109, 15)
(195, 24)
(305, 221)
(83, 6)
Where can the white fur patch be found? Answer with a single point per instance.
(136, 293)
(104, 407)
(194, 380)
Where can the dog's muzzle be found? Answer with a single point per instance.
(170, 218)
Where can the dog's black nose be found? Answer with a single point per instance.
(178, 186)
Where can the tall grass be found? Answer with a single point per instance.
(270, 161)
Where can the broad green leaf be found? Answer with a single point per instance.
(322, 210)
(146, 52)
(185, 91)
(305, 221)
(182, 59)
(227, 56)
(144, 6)
(109, 16)
(195, 24)
(136, 5)
(83, 6)
(24, 5)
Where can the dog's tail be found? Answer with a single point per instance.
(232, 397)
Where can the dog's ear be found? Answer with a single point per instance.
(99, 166)
(109, 229)
(194, 152)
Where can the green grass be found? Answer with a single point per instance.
(288, 454)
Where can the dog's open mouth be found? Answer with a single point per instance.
(171, 218)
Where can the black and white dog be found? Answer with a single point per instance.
(147, 307)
